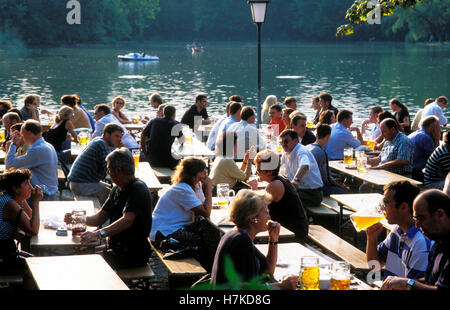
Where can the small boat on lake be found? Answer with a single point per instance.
(137, 57)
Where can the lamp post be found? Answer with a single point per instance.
(258, 8)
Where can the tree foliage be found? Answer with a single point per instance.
(43, 22)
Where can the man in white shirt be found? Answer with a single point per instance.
(211, 142)
(301, 168)
(247, 134)
(436, 108)
(103, 116)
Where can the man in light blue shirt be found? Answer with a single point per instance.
(104, 116)
(40, 158)
(235, 116)
(247, 134)
(211, 142)
(436, 108)
(342, 137)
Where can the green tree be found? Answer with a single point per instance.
(361, 10)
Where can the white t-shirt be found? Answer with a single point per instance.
(173, 210)
(434, 109)
(301, 156)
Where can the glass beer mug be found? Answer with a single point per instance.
(223, 193)
(309, 273)
(83, 138)
(340, 276)
(367, 217)
(78, 222)
(348, 156)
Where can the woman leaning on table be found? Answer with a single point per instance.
(285, 206)
(250, 214)
(16, 218)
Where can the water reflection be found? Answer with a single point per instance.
(357, 75)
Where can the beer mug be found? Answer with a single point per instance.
(223, 193)
(187, 132)
(348, 156)
(83, 138)
(136, 155)
(340, 276)
(136, 119)
(367, 217)
(2, 135)
(309, 273)
(78, 222)
(362, 163)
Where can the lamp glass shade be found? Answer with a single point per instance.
(258, 11)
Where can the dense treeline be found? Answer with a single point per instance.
(43, 22)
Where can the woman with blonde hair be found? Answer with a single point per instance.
(285, 206)
(117, 104)
(270, 101)
(57, 134)
(81, 118)
(250, 214)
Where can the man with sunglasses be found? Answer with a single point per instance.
(405, 250)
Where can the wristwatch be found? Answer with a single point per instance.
(102, 233)
(410, 284)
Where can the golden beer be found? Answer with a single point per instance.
(310, 124)
(223, 203)
(83, 140)
(309, 278)
(188, 139)
(371, 144)
(2, 135)
(339, 284)
(348, 159)
(280, 148)
(136, 120)
(362, 222)
(136, 161)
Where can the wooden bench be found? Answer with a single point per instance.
(339, 247)
(138, 278)
(163, 174)
(182, 272)
(97, 205)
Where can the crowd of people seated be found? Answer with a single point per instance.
(298, 177)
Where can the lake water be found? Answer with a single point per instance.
(357, 75)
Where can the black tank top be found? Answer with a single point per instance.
(289, 211)
(56, 136)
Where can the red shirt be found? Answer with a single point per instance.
(280, 124)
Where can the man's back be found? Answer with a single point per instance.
(159, 141)
(127, 139)
(42, 161)
(434, 109)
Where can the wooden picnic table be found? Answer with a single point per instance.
(289, 256)
(376, 177)
(196, 148)
(145, 172)
(221, 218)
(356, 202)
(74, 272)
(134, 126)
(47, 240)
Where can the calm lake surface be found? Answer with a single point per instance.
(357, 75)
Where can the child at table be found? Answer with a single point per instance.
(117, 104)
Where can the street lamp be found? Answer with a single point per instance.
(258, 15)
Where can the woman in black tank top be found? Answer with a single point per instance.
(57, 134)
(286, 206)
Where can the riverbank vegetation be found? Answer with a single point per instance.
(44, 22)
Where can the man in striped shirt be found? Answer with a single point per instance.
(90, 166)
(405, 250)
(438, 165)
